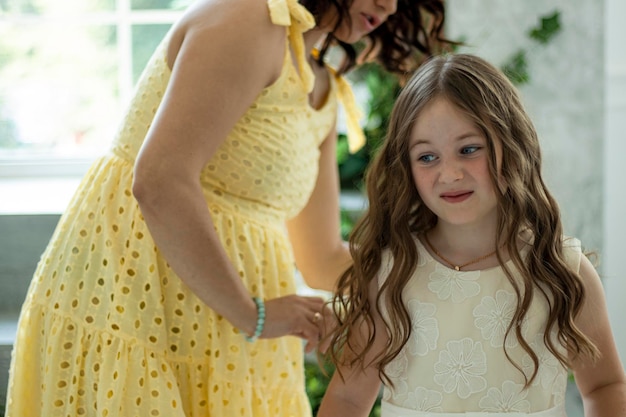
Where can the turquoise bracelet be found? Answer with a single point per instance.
(260, 319)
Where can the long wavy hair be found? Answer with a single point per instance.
(396, 214)
(400, 44)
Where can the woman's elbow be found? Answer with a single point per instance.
(144, 182)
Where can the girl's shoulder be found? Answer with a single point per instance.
(571, 247)
(572, 250)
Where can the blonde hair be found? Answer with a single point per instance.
(396, 214)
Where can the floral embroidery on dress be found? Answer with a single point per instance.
(511, 398)
(425, 328)
(461, 366)
(454, 358)
(549, 365)
(493, 316)
(397, 371)
(448, 283)
(423, 399)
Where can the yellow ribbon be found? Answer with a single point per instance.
(298, 19)
(292, 14)
(356, 137)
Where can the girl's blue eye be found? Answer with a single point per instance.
(426, 158)
(469, 150)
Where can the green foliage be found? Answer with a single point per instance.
(317, 380)
(549, 26)
(383, 89)
(516, 68)
(346, 225)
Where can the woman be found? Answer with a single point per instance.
(158, 271)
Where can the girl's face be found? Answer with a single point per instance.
(366, 15)
(450, 165)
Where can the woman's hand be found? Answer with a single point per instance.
(295, 315)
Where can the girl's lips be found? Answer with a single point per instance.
(456, 197)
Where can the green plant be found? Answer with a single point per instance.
(317, 379)
(346, 225)
(516, 68)
(383, 89)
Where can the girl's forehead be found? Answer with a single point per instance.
(441, 118)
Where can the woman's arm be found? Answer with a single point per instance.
(602, 384)
(212, 85)
(315, 233)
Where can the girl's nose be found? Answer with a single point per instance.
(449, 172)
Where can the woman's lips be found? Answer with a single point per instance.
(369, 22)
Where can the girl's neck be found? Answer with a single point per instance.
(459, 245)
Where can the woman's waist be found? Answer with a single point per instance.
(229, 205)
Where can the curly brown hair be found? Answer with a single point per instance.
(396, 215)
(400, 44)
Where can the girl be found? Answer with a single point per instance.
(464, 296)
(159, 269)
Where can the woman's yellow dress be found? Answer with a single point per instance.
(108, 329)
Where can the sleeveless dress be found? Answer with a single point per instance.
(454, 363)
(108, 329)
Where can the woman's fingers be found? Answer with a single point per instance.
(294, 315)
(312, 328)
(309, 318)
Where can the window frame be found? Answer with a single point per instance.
(123, 18)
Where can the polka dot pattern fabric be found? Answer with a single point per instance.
(108, 329)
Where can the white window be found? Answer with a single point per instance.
(67, 70)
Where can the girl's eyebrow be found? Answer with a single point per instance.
(459, 138)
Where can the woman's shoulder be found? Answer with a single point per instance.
(245, 15)
(235, 30)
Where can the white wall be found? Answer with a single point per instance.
(577, 99)
(615, 169)
(564, 97)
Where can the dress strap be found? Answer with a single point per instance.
(356, 137)
(298, 19)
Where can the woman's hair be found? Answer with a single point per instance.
(397, 214)
(400, 44)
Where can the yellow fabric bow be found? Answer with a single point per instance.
(298, 19)
(356, 137)
(292, 14)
